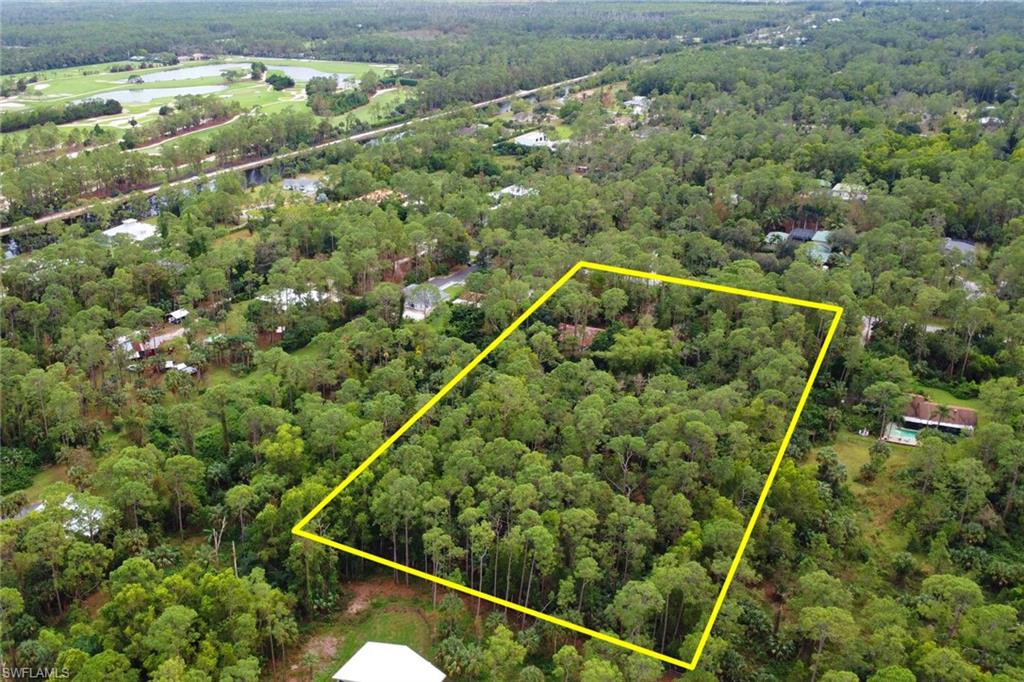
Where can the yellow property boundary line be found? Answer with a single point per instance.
(585, 265)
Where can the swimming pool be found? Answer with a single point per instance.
(898, 434)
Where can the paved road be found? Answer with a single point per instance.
(444, 282)
(357, 137)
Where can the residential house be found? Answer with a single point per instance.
(422, 299)
(135, 348)
(512, 191)
(135, 230)
(171, 365)
(307, 186)
(536, 138)
(922, 413)
(848, 191)
(639, 105)
(819, 249)
(82, 520)
(177, 316)
(966, 249)
(383, 662)
(581, 334)
(802, 234)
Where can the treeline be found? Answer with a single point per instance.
(19, 119)
(529, 63)
(48, 186)
(421, 34)
(188, 112)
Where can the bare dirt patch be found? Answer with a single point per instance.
(320, 649)
(366, 591)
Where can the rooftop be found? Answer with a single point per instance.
(964, 247)
(583, 334)
(512, 191)
(132, 228)
(380, 662)
(926, 413)
(534, 139)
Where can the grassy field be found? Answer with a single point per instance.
(57, 473)
(946, 398)
(380, 612)
(881, 498)
(61, 86)
(379, 106)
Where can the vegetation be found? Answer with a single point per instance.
(602, 464)
(18, 120)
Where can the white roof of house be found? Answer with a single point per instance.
(133, 228)
(178, 314)
(380, 662)
(512, 191)
(965, 247)
(533, 139)
(849, 187)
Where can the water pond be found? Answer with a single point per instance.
(297, 73)
(140, 96)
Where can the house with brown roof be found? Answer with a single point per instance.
(581, 334)
(923, 413)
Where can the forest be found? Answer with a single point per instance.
(602, 463)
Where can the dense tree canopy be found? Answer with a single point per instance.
(602, 464)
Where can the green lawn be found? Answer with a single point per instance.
(942, 397)
(57, 473)
(239, 234)
(397, 620)
(881, 498)
(378, 108)
(561, 132)
(61, 86)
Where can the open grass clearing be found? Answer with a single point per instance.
(881, 498)
(379, 610)
(62, 86)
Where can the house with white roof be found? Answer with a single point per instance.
(962, 247)
(639, 104)
(848, 191)
(132, 228)
(536, 138)
(513, 191)
(308, 186)
(177, 316)
(421, 299)
(171, 365)
(381, 662)
(135, 349)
